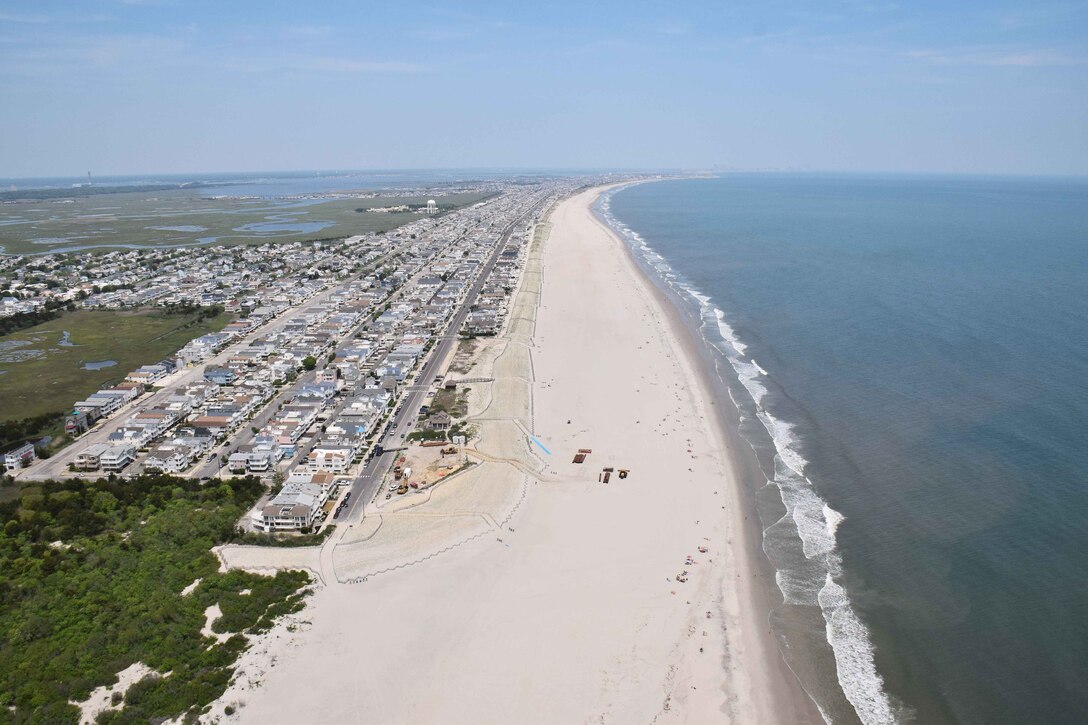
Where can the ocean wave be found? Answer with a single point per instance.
(813, 521)
(850, 642)
(727, 332)
(832, 518)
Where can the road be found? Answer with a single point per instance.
(245, 434)
(57, 466)
(366, 483)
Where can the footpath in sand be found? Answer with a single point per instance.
(524, 589)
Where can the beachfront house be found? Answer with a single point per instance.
(297, 504)
(439, 422)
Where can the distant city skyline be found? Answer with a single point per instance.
(130, 87)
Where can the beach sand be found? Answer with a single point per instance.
(525, 590)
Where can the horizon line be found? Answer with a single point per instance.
(564, 171)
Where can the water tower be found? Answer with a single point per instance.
(432, 208)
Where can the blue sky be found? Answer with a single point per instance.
(145, 86)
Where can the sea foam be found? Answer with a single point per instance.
(813, 519)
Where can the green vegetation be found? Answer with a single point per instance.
(427, 435)
(185, 215)
(52, 378)
(23, 320)
(75, 192)
(461, 429)
(91, 575)
(453, 402)
(309, 362)
(186, 309)
(14, 433)
(286, 540)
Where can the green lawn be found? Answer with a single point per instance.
(53, 379)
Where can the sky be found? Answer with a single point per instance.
(187, 86)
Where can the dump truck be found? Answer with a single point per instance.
(607, 475)
(579, 457)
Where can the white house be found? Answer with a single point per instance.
(296, 505)
(117, 457)
(169, 459)
(20, 457)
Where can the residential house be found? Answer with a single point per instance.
(117, 457)
(296, 506)
(440, 421)
(19, 457)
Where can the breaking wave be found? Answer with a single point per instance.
(814, 523)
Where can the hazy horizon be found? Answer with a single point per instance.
(511, 171)
(136, 87)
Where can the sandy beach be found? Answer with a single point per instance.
(525, 589)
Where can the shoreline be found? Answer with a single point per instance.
(761, 589)
(528, 590)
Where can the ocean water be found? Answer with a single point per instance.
(909, 358)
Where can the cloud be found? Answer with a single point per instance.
(16, 18)
(444, 33)
(673, 27)
(462, 28)
(308, 31)
(998, 57)
(352, 65)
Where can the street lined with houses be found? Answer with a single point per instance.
(324, 378)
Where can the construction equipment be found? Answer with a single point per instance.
(579, 457)
(402, 489)
(607, 475)
(623, 473)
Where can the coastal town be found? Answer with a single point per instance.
(330, 364)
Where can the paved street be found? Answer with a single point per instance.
(367, 482)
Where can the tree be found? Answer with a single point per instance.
(309, 362)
